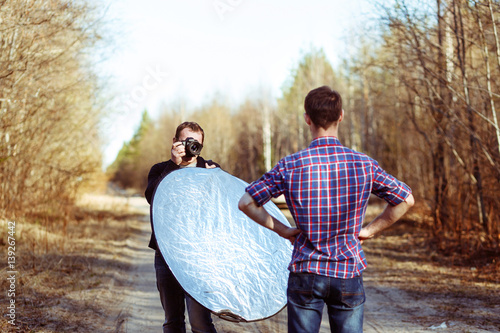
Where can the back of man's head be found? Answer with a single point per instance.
(324, 106)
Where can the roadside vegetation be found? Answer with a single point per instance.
(69, 277)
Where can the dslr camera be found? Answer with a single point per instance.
(192, 147)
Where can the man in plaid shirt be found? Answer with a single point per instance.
(327, 187)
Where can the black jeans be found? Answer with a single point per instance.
(172, 298)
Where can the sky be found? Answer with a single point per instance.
(168, 51)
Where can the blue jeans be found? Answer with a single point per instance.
(172, 298)
(307, 295)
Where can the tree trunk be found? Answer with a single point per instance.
(461, 54)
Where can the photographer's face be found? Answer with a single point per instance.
(188, 133)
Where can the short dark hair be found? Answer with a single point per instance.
(192, 126)
(324, 106)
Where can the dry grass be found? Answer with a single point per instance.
(462, 288)
(66, 269)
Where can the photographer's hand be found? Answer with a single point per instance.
(178, 152)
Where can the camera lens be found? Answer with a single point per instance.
(195, 147)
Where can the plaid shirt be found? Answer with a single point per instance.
(327, 187)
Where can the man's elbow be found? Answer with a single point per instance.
(241, 205)
(410, 201)
(245, 202)
(147, 195)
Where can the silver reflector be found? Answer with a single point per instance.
(227, 262)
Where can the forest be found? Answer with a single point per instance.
(421, 98)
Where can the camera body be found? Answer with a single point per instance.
(192, 147)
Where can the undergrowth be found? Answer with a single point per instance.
(64, 266)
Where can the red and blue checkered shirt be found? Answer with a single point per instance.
(327, 187)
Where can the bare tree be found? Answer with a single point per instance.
(49, 143)
(445, 83)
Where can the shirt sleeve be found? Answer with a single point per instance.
(387, 187)
(270, 185)
(153, 176)
(157, 172)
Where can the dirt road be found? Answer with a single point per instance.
(390, 307)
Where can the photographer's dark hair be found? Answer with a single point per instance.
(324, 106)
(192, 126)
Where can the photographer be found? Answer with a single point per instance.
(186, 147)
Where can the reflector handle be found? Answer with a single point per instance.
(229, 316)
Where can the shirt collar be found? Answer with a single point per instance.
(325, 141)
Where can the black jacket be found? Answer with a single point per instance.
(155, 176)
